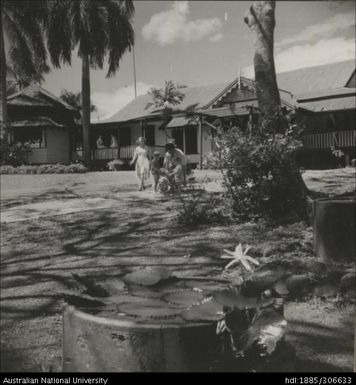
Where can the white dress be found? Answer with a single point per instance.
(142, 163)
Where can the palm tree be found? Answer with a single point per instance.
(75, 101)
(166, 98)
(99, 29)
(21, 27)
(16, 80)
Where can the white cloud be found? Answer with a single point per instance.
(322, 52)
(217, 37)
(323, 30)
(108, 103)
(173, 25)
(308, 55)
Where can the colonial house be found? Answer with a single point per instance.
(323, 97)
(44, 122)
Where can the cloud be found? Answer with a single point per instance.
(108, 103)
(170, 26)
(307, 55)
(323, 30)
(217, 37)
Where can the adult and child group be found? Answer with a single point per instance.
(174, 170)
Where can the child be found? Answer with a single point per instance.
(171, 180)
(179, 177)
(155, 169)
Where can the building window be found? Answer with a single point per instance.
(177, 135)
(191, 140)
(35, 137)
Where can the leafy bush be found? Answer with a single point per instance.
(198, 208)
(44, 169)
(115, 165)
(15, 154)
(211, 161)
(261, 176)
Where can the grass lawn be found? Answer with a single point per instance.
(108, 229)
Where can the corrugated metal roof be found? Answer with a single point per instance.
(179, 121)
(35, 95)
(326, 80)
(329, 93)
(330, 104)
(195, 97)
(316, 78)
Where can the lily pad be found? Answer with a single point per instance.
(233, 298)
(280, 288)
(209, 286)
(144, 291)
(153, 309)
(126, 298)
(184, 298)
(148, 276)
(209, 311)
(113, 286)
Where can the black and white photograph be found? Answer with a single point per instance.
(178, 189)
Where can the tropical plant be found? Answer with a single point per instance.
(74, 99)
(260, 175)
(16, 80)
(240, 256)
(115, 165)
(21, 24)
(98, 29)
(166, 98)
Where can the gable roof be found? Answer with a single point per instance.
(328, 80)
(195, 98)
(35, 95)
(317, 78)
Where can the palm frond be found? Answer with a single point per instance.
(167, 98)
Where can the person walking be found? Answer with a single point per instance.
(142, 167)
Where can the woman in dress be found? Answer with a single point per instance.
(142, 163)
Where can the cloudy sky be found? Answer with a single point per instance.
(207, 42)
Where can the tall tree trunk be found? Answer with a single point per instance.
(3, 93)
(86, 109)
(261, 20)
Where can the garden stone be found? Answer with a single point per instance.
(298, 283)
(348, 281)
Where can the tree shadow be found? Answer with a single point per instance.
(317, 344)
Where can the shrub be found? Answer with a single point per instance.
(44, 169)
(115, 165)
(15, 154)
(261, 176)
(198, 208)
(211, 161)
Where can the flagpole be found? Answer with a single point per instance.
(134, 69)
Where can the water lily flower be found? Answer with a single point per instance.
(240, 256)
